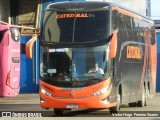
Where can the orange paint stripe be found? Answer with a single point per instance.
(125, 12)
(29, 46)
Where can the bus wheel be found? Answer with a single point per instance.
(58, 111)
(133, 104)
(141, 103)
(147, 96)
(116, 108)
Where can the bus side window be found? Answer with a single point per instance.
(114, 21)
(153, 41)
(2, 34)
(15, 34)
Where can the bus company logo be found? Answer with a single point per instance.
(134, 52)
(78, 15)
(72, 94)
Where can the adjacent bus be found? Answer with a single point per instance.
(9, 61)
(95, 55)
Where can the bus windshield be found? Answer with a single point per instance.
(74, 67)
(75, 27)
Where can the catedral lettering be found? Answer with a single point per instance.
(134, 52)
(78, 15)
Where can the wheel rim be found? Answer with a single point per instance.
(143, 96)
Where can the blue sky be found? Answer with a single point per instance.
(155, 9)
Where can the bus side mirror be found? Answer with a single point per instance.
(29, 46)
(113, 45)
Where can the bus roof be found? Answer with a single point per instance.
(92, 5)
(74, 5)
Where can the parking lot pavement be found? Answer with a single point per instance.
(21, 99)
(30, 103)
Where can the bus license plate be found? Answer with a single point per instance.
(71, 106)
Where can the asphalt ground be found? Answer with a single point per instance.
(29, 103)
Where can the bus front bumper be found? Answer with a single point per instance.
(47, 102)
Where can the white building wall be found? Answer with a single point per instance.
(4, 10)
(136, 5)
(155, 9)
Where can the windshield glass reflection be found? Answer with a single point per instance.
(65, 66)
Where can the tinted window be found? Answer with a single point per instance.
(75, 26)
(15, 34)
(1, 34)
(74, 67)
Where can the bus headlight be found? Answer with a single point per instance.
(45, 92)
(102, 91)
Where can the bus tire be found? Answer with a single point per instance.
(116, 108)
(133, 104)
(141, 103)
(147, 96)
(58, 111)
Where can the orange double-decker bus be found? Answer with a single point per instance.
(95, 55)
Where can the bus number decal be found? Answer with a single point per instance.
(59, 50)
(97, 88)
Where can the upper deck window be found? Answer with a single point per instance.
(75, 27)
